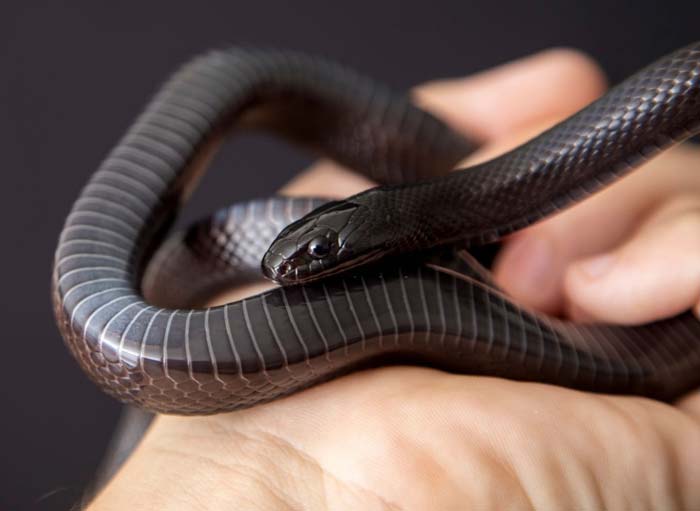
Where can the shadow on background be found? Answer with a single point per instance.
(73, 78)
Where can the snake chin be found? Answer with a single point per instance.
(291, 272)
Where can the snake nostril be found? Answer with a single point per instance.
(285, 268)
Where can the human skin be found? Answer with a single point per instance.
(414, 438)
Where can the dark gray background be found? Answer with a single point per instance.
(71, 80)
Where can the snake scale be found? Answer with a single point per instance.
(384, 277)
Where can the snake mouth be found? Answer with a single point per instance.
(288, 271)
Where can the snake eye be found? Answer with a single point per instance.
(319, 247)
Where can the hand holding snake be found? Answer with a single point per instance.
(418, 439)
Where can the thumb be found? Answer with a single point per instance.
(654, 274)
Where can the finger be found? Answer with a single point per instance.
(325, 178)
(494, 103)
(532, 265)
(489, 105)
(653, 275)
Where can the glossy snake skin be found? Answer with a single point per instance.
(422, 299)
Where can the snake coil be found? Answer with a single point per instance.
(432, 304)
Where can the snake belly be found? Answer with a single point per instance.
(432, 307)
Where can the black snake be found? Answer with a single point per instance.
(418, 296)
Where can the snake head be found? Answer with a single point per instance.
(328, 240)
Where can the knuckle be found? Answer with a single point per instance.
(575, 64)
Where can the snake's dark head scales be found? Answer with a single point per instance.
(327, 240)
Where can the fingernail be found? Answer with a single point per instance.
(597, 267)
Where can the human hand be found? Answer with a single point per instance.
(629, 254)
(410, 438)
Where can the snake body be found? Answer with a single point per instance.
(391, 281)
